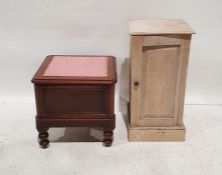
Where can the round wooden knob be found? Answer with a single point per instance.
(136, 83)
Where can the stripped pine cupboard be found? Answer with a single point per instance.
(159, 54)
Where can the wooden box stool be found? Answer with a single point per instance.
(75, 91)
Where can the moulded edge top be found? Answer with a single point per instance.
(39, 77)
(159, 26)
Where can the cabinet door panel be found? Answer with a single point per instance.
(160, 71)
(158, 81)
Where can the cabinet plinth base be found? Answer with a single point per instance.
(176, 133)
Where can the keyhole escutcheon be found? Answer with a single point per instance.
(136, 83)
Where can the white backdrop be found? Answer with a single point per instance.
(30, 30)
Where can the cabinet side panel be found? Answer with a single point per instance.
(181, 79)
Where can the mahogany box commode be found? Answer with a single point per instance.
(75, 91)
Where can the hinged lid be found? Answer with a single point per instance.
(159, 26)
(74, 69)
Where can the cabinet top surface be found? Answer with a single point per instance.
(159, 26)
(76, 68)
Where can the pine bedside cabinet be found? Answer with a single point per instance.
(159, 57)
(75, 91)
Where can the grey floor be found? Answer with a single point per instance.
(78, 150)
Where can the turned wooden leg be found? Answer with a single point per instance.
(107, 138)
(43, 139)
